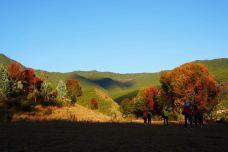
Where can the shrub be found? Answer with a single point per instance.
(126, 107)
(26, 105)
(93, 103)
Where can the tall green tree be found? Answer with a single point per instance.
(46, 90)
(61, 90)
(4, 81)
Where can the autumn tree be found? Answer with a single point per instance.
(22, 80)
(145, 99)
(73, 90)
(192, 82)
(15, 71)
(150, 97)
(29, 79)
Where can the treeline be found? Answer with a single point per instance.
(189, 82)
(21, 89)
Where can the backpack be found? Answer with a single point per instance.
(150, 114)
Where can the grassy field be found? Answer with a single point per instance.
(66, 113)
(68, 136)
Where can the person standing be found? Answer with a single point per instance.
(195, 114)
(187, 112)
(145, 114)
(166, 117)
(149, 117)
(200, 117)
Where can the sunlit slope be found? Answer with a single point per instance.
(106, 104)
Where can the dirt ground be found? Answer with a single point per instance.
(62, 136)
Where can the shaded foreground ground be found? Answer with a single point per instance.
(70, 136)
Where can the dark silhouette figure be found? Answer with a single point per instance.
(165, 117)
(200, 117)
(149, 117)
(187, 112)
(145, 113)
(196, 115)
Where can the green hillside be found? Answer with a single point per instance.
(119, 86)
(218, 67)
(5, 60)
(106, 104)
(116, 85)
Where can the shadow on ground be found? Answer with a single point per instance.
(53, 136)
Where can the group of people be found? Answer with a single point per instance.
(147, 117)
(190, 113)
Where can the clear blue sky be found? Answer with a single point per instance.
(124, 36)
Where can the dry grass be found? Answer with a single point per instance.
(63, 136)
(72, 113)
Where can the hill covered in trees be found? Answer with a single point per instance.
(118, 86)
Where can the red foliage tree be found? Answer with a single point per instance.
(150, 94)
(29, 79)
(73, 87)
(15, 71)
(29, 76)
(93, 103)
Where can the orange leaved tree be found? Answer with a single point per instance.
(191, 82)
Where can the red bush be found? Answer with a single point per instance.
(93, 103)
